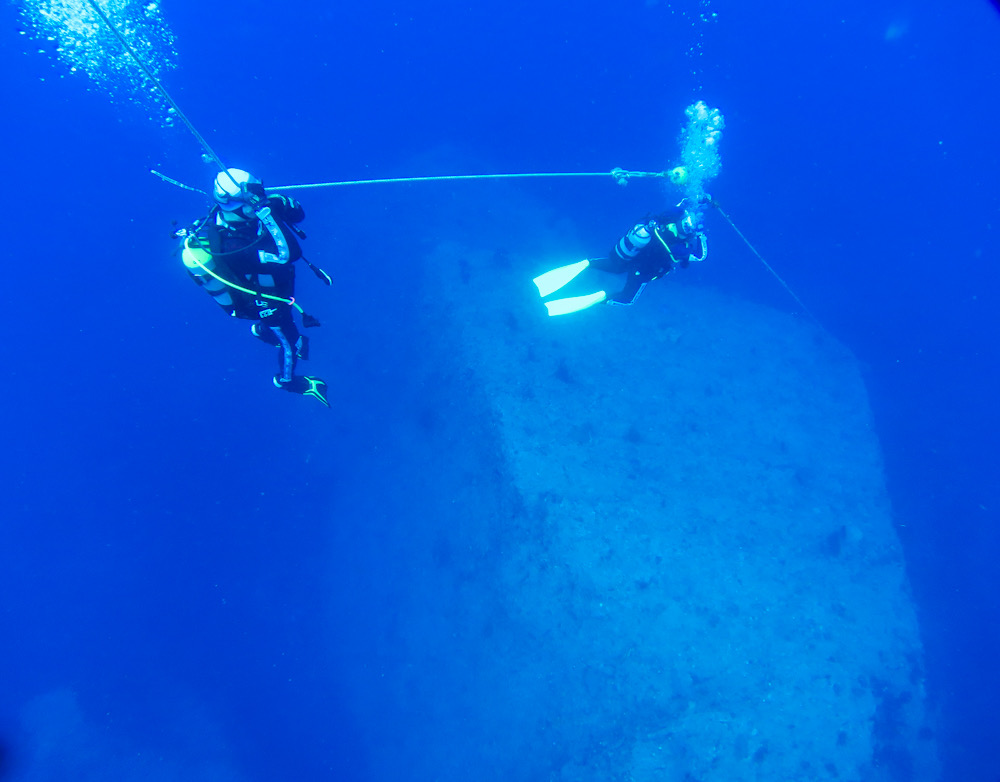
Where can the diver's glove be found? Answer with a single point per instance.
(693, 202)
(691, 224)
(289, 210)
(286, 202)
(254, 195)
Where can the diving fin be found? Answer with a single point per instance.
(305, 385)
(316, 389)
(555, 279)
(574, 303)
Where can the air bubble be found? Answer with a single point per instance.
(84, 44)
(699, 142)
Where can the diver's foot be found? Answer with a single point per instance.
(304, 385)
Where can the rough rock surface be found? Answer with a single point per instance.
(701, 569)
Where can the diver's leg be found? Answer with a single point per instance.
(264, 334)
(284, 333)
(611, 263)
(631, 291)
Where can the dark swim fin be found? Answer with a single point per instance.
(304, 385)
(302, 348)
(316, 389)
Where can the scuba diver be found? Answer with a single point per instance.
(241, 254)
(649, 251)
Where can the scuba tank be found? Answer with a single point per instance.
(633, 242)
(203, 268)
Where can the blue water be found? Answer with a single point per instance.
(191, 554)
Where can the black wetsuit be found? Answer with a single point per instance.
(655, 260)
(236, 250)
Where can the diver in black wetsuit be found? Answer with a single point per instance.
(242, 255)
(649, 251)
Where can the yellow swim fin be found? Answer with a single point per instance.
(574, 303)
(555, 279)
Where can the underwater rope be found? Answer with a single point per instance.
(172, 181)
(620, 175)
(767, 266)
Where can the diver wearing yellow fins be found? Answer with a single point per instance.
(647, 252)
(242, 255)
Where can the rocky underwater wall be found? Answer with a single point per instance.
(652, 543)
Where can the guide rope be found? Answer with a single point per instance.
(767, 266)
(620, 175)
(174, 182)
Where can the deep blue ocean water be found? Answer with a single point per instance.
(167, 522)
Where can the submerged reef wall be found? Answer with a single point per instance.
(678, 561)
